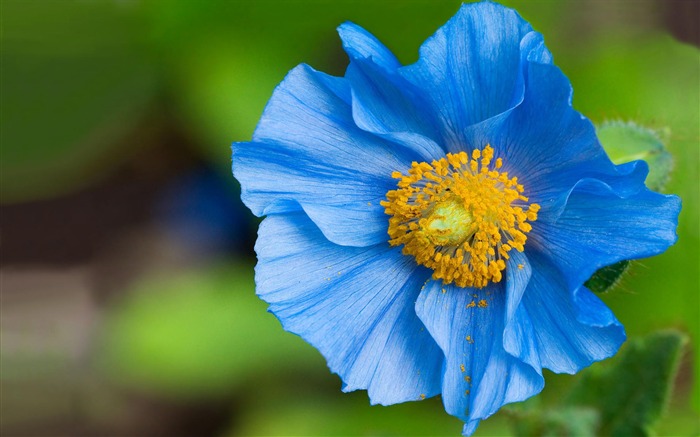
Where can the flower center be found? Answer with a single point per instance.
(460, 216)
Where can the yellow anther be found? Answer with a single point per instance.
(460, 217)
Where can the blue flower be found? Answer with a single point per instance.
(429, 227)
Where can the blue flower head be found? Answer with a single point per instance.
(429, 227)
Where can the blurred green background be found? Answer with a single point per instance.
(128, 303)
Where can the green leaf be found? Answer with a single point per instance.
(607, 277)
(631, 394)
(626, 141)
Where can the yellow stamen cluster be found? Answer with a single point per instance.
(460, 216)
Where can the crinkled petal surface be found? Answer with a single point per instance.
(307, 152)
(601, 224)
(470, 69)
(479, 375)
(355, 305)
(360, 44)
(549, 155)
(548, 328)
(386, 104)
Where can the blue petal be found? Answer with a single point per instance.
(602, 224)
(470, 69)
(547, 329)
(591, 311)
(360, 44)
(532, 49)
(355, 305)
(384, 103)
(518, 273)
(387, 105)
(469, 427)
(307, 149)
(544, 141)
(502, 129)
(471, 337)
(517, 338)
(626, 180)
